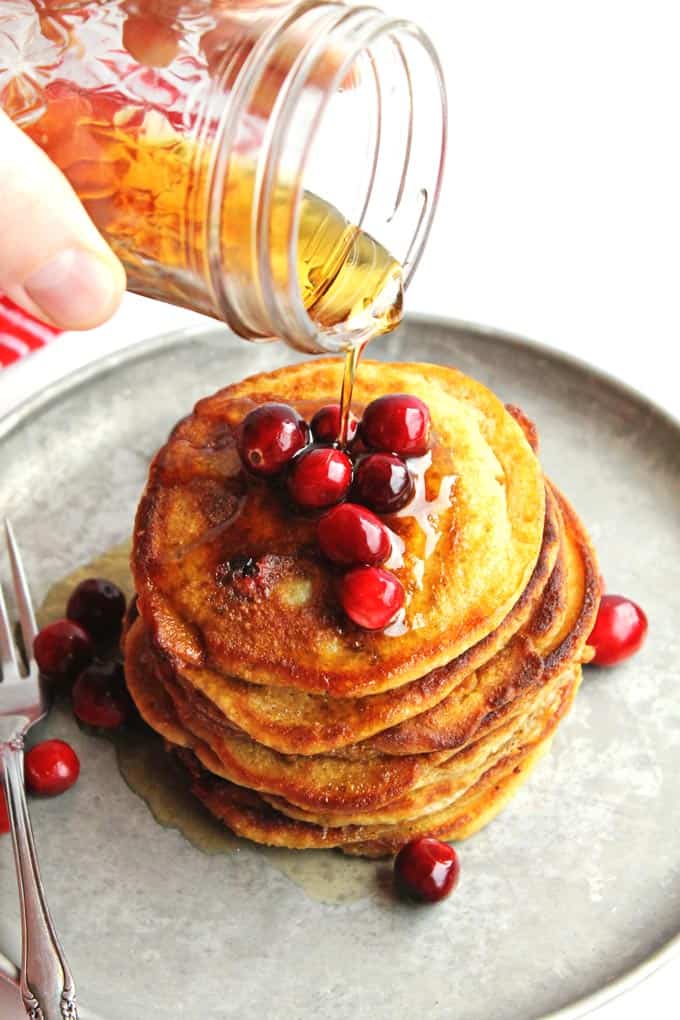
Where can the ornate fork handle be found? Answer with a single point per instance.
(46, 983)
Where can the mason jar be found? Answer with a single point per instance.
(275, 165)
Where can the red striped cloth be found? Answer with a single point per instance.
(20, 333)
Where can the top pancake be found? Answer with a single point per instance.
(471, 539)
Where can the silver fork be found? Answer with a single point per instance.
(46, 983)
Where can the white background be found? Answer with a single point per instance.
(560, 217)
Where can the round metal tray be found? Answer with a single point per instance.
(569, 897)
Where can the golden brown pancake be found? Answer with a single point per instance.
(560, 624)
(453, 777)
(248, 815)
(367, 782)
(295, 722)
(472, 538)
(444, 800)
(300, 729)
(331, 781)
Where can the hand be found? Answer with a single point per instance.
(53, 262)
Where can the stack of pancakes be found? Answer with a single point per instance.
(300, 729)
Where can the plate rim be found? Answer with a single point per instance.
(52, 392)
(140, 349)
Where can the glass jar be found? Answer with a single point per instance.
(274, 165)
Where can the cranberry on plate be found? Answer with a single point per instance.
(325, 425)
(371, 596)
(620, 630)
(319, 477)
(426, 869)
(98, 606)
(51, 768)
(398, 423)
(62, 649)
(99, 696)
(350, 534)
(383, 483)
(270, 436)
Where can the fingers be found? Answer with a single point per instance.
(53, 262)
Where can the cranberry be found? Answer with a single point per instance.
(326, 425)
(319, 477)
(63, 649)
(98, 606)
(51, 768)
(383, 483)
(398, 423)
(269, 436)
(4, 814)
(619, 631)
(426, 869)
(100, 698)
(371, 596)
(350, 534)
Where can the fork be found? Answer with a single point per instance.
(46, 983)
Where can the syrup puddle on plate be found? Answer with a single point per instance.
(324, 875)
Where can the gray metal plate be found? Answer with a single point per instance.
(574, 885)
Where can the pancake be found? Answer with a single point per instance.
(369, 781)
(300, 729)
(444, 800)
(294, 722)
(319, 782)
(472, 539)
(454, 777)
(248, 815)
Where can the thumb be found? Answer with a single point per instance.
(53, 262)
